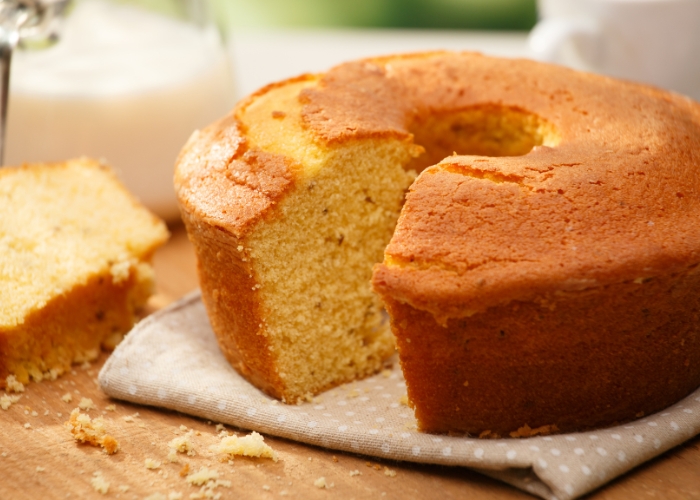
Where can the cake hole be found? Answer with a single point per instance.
(479, 131)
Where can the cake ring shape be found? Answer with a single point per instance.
(543, 274)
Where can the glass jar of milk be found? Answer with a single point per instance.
(128, 81)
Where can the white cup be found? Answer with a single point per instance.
(649, 41)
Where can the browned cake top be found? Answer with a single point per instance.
(616, 198)
(610, 195)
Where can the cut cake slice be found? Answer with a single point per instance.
(75, 248)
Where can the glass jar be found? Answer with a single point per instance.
(127, 81)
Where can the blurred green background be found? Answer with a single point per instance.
(428, 14)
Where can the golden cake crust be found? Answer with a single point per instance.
(601, 211)
(624, 168)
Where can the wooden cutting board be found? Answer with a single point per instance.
(42, 461)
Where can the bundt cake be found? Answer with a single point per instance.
(543, 274)
(74, 270)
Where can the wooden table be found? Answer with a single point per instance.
(44, 462)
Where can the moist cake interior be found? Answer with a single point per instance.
(314, 260)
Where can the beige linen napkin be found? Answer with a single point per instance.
(172, 360)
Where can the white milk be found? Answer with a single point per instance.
(124, 85)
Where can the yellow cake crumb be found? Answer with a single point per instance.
(252, 445)
(526, 431)
(150, 463)
(12, 385)
(7, 400)
(111, 407)
(99, 484)
(91, 431)
(86, 404)
(67, 397)
(404, 400)
(203, 476)
(321, 483)
(181, 444)
(389, 472)
(355, 472)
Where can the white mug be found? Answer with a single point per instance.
(649, 41)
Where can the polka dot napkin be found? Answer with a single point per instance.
(172, 360)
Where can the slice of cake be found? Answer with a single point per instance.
(74, 265)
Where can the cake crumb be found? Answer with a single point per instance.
(181, 444)
(252, 445)
(185, 470)
(527, 431)
(40, 469)
(334, 458)
(27, 425)
(86, 404)
(174, 495)
(150, 463)
(321, 483)
(99, 484)
(131, 418)
(386, 373)
(220, 427)
(86, 430)
(111, 407)
(123, 488)
(389, 472)
(35, 414)
(203, 476)
(8, 400)
(13, 385)
(183, 428)
(266, 487)
(46, 413)
(404, 400)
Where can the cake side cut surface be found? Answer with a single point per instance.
(302, 263)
